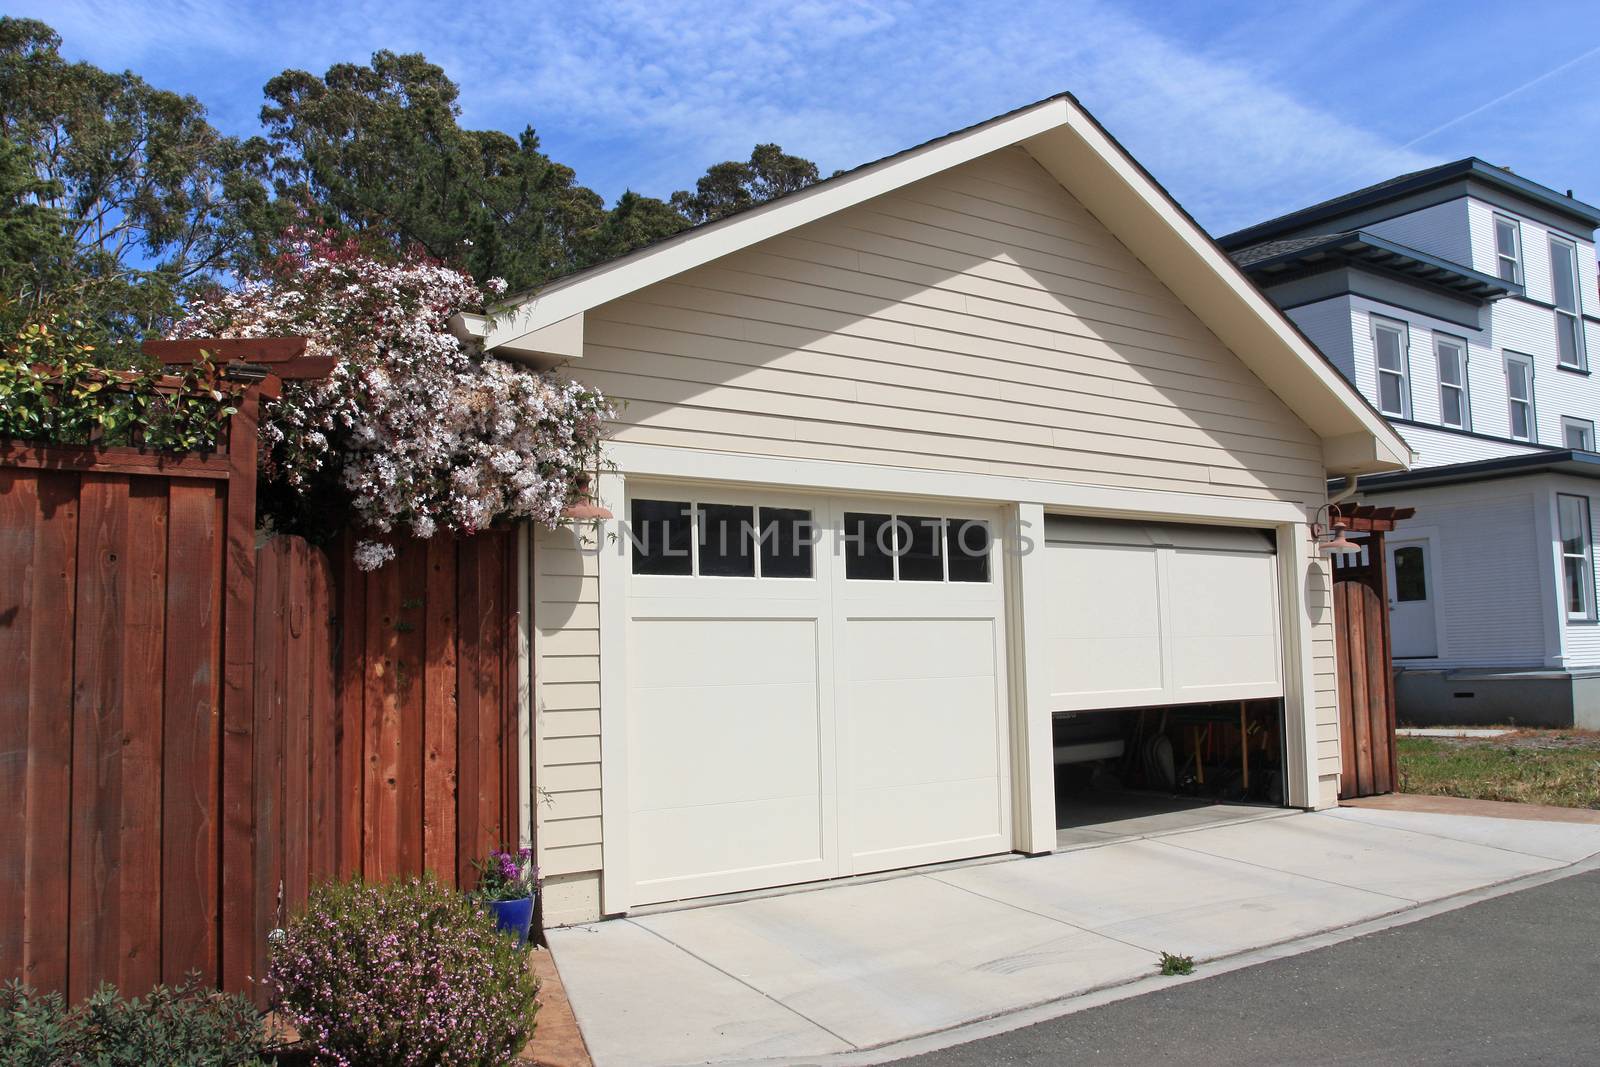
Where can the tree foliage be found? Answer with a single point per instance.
(377, 151)
(119, 198)
(732, 186)
(119, 202)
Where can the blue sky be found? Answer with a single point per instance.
(1243, 110)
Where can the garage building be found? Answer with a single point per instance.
(943, 489)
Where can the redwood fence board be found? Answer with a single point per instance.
(196, 729)
(1366, 678)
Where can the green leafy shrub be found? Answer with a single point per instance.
(402, 975)
(187, 1024)
(1174, 965)
(52, 391)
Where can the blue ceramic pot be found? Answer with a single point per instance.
(514, 917)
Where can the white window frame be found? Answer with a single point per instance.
(1582, 426)
(1563, 247)
(1403, 374)
(1526, 363)
(1584, 560)
(1442, 341)
(1515, 258)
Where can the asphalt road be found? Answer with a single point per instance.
(1510, 980)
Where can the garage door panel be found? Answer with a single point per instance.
(722, 848)
(918, 647)
(1234, 667)
(722, 651)
(1120, 583)
(740, 742)
(1223, 592)
(921, 730)
(898, 826)
(1086, 671)
(1142, 613)
(781, 731)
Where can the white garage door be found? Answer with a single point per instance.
(1142, 613)
(816, 688)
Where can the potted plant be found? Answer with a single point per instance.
(508, 882)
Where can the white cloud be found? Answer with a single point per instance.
(647, 93)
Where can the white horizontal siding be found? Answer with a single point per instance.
(1327, 324)
(1487, 571)
(1435, 447)
(1580, 639)
(1440, 230)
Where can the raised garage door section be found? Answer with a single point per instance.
(1141, 614)
(801, 710)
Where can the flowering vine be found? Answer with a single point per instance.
(414, 429)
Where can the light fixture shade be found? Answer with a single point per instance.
(584, 507)
(1340, 543)
(586, 511)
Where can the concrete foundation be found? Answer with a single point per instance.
(1466, 697)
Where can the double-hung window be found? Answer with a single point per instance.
(1569, 310)
(1577, 556)
(1508, 248)
(1577, 434)
(1389, 348)
(1519, 395)
(1452, 354)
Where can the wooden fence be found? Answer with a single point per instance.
(195, 730)
(1368, 761)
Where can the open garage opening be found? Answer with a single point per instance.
(1134, 772)
(1166, 661)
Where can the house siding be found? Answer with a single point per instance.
(1327, 324)
(566, 803)
(980, 321)
(1489, 572)
(1440, 230)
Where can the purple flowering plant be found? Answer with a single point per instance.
(506, 875)
(405, 974)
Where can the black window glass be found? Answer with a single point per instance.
(660, 530)
(921, 549)
(868, 547)
(968, 548)
(1410, 578)
(727, 541)
(785, 539)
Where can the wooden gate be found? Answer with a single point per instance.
(1368, 764)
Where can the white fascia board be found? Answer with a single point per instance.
(1103, 177)
(559, 300)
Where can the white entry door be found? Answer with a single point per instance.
(1413, 624)
(822, 696)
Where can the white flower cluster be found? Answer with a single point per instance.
(422, 432)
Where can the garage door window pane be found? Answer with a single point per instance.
(1410, 575)
(727, 541)
(786, 538)
(921, 549)
(868, 547)
(660, 531)
(968, 548)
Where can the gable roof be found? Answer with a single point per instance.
(1406, 184)
(1078, 152)
(1273, 262)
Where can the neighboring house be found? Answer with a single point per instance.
(1462, 301)
(1011, 332)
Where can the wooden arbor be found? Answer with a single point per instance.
(1366, 675)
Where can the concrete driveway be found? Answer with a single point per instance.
(806, 975)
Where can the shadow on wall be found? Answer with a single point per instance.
(979, 320)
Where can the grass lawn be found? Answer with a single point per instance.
(1530, 766)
